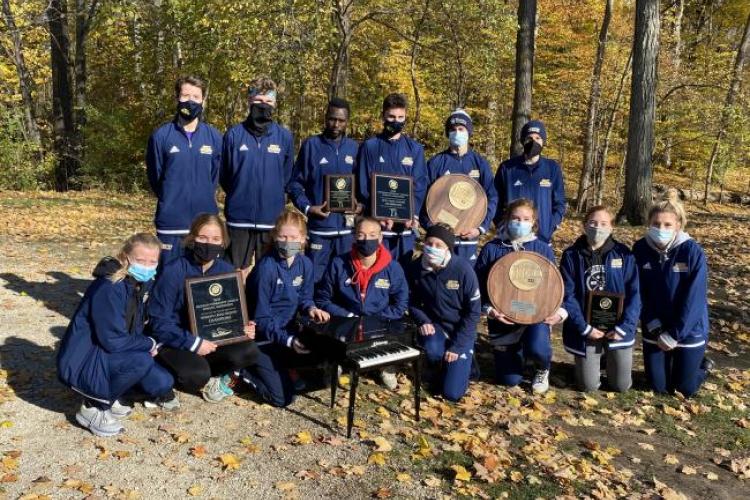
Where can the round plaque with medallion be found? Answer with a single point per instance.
(525, 287)
(457, 200)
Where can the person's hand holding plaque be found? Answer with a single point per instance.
(299, 347)
(497, 315)
(613, 335)
(471, 234)
(596, 334)
(319, 211)
(450, 357)
(250, 330)
(554, 319)
(206, 348)
(427, 329)
(319, 315)
(387, 224)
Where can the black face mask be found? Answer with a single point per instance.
(365, 248)
(206, 252)
(260, 118)
(531, 148)
(392, 128)
(189, 110)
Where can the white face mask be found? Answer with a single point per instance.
(435, 256)
(458, 138)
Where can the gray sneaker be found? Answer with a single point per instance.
(100, 422)
(120, 411)
(540, 385)
(216, 389)
(168, 402)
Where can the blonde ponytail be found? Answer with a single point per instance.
(671, 204)
(145, 239)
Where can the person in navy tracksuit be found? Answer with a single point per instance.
(182, 162)
(392, 152)
(256, 168)
(674, 318)
(460, 159)
(534, 177)
(365, 282)
(329, 153)
(279, 288)
(446, 306)
(596, 262)
(197, 363)
(513, 344)
(104, 352)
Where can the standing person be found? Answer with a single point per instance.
(324, 154)
(392, 152)
(182, 162)
(280, 287)
(674, 318)
(198, 364)
(105, 352)
(366, 282)
(513, 344)
(532, 176)
(256, 168)
(596, 262)
(459, 158)
(445, 304)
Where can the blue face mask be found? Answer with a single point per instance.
(141, 273)
(365, 248)
(660, 236)
(458, 138)
(435, 256)
(519, 229)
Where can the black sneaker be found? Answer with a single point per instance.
(708, 365)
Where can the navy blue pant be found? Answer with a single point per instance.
(675, 370)
(453, 377)
(401, 246)
(510, 359)
(322, 249)
(135, 369)
(269, 376)
(171, 248)
(468, 250)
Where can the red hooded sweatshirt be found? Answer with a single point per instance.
(362, 276)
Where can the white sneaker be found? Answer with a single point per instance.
(388, 378)
(216, 389)
(168, 402)
(100, 422)
(120, 411)
(540, 385)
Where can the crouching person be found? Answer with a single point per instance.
(104, 352)
(445, 304)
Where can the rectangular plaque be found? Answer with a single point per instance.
(340, 193)
(216, 306)
(392, 197)
(604, 309)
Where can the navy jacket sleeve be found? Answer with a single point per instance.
(225, 174)
(693, 304)
(487, 181)
(306, 290)
(416, 297)
(420, 179)
(502, 195)
(632, 308)
(364, 166)
(164, 309)
(288, 159)
(466, 331)
(153, 164)
(218, 154)
(559, 205)
(299, 180)
(571, 302)
(398, 294)
(482, 268)
(263, 284)
(326, 291)
(108, 307)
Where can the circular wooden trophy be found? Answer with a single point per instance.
(525, 287)
(457, 200)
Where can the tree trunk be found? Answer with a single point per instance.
(340, 72)
(413, 68)
(25, 82)
(524, 72)
(677, 62)
(585, 185)
(642, 107)
(85, 12)
(734, 88)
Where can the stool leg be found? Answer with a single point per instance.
(334, 382)
(417, 384)
(352, 401)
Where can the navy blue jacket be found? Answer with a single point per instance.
(491, 253)
(167, 308)
(98, 329)
(542, 183)
(183, 174)
(617, 273)
(404, 156)
(674, 288)
(280, 292)
(255, 172)
(472, 164)
(317, 158)
(387, 292)
(448, 299)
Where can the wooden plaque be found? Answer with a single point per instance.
(457, 200)
(392, 197)
(525, 287)
(216, 307)
(340, 193)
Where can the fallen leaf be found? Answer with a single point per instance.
(461, 473)
(198, 451)
(403, 477)
(712, 476)
(671, 459)
(646, 446)
(302, 438)
(376, 459)
(687, 470)
(195, 490)
(285, 486)
(382, 444)
(432, 482)
(229, 461)
(382, 492)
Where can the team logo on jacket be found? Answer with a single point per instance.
(451, 285)
(383, 283)
(382, 160)
(408, 161)
(680, 267)
(647, 265)
(174, 149)
(274, 148)
(323, 161)
(244, 147)
(215, 289)
(316, 246)
(297, 281)
(279, 281)
(517, 183)
(349, 160)
(474, 173)
(206, 149)
(615, 263)
(545, 183)
(595, 277)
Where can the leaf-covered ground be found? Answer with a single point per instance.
(495, 443)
